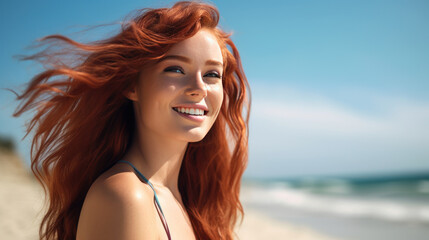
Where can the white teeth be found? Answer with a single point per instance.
(191, 111)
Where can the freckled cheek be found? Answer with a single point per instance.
(171, 88)
(155, 98)
(167, 86)
(162, 91)
(216, 97)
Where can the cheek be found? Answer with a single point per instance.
(217, 97)
(220, 97)
(156, 92)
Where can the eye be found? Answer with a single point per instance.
(213, 74)
(174, 69)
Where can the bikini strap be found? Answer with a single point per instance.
(160, 212)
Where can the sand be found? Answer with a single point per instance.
(257, 226)
(21, 200)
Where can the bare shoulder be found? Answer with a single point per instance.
(117, 206)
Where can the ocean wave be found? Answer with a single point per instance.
(353, 206)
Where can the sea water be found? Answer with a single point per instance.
(374, 207)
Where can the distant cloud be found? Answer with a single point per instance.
(301, 132)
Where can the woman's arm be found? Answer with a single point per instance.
(118, 207)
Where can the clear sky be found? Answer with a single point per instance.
(339, 87)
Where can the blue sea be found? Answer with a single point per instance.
(393, 207)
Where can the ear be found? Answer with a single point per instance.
(131, 94)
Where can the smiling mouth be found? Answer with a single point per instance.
(190, 111)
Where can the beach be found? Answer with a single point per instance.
(256, 225)
(370, 208)
(21, 201)
(21, 198)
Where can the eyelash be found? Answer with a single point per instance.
(177, 69)
(216, 75)
(174, 69)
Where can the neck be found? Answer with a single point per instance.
(158, 158)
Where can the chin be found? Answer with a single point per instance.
(194, 135)
(195, 138)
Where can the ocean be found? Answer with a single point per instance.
(392, 207)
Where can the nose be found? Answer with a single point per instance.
(196, 87)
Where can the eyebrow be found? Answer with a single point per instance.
(214, 63)
(176, 57)
(187, 60)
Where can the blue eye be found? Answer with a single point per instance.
(174, 69)
(213, 74)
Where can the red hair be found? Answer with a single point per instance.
(83, 123)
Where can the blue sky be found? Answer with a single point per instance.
(339, 87)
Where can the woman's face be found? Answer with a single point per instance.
(180, 95)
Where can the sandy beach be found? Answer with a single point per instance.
(21, 199)
(256, 225)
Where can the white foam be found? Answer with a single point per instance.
(388, 210)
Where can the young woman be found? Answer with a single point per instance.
(142, 135)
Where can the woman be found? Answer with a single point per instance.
(142, 135)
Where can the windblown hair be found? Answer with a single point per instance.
(83, 124)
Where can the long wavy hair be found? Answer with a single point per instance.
(83, 124)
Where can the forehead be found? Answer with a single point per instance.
(202, 46)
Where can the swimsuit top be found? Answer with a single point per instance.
(158, 206)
